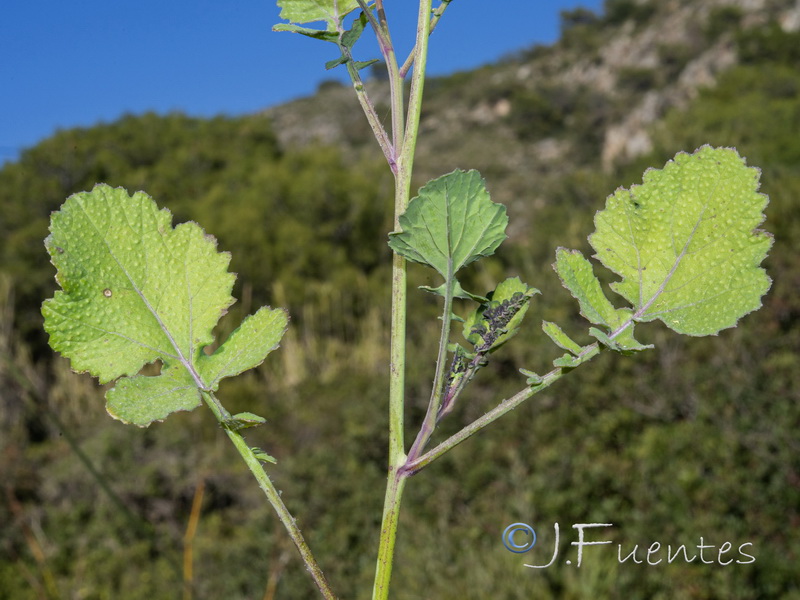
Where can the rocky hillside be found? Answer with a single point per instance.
(591, 98)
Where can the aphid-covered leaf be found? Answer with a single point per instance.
(685, 242)
(135, 290)
(451, 223)
(497, 320)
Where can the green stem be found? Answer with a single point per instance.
(437, 14)
(417, 85)
(272, 494)
(381, 27)
(389, 151)
(391, 516)
(429, 423)
(404, 167)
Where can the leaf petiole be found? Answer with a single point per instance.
(253, 461)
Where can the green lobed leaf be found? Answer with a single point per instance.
(363, 64)
(309, 11)
(451, 223)
(686, 243)
(332, 64)
(135, 290)
(623, 340)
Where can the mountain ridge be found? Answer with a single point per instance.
(634, 63)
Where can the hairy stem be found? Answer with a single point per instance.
(437, 14)
(272, 494)
(389, 150)
(391, 515)
(405, 162)
(435, 403)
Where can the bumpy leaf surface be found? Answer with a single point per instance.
(685, 242)
(451, 223)
(134, 291)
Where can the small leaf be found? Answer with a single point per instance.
(458, 292)
(570, 362)
(496, 321)
(351, 36)
(685, 242)
(601, 337)
(561, 339)
(332, 64)
(263, 456)
(344, 39)
(135, 290)
(363, 64)
(533, 379)
(451, 223)
(244, 420)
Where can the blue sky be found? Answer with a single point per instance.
(67, 64)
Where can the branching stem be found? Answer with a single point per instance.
(507, 405)
(437, 15)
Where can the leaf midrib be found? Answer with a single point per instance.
(186, 364)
